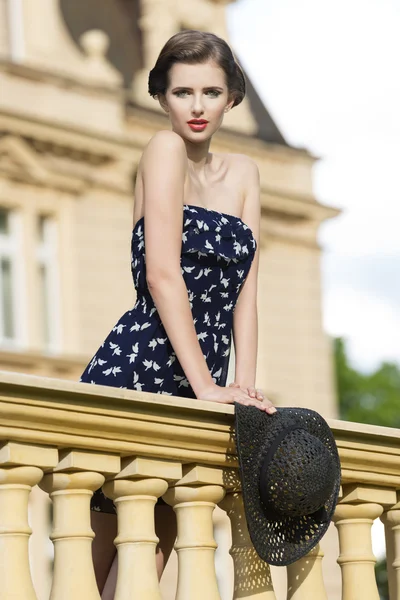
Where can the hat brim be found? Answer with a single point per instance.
(279, 542)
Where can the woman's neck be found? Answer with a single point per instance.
(198, 156)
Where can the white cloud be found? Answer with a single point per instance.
(327, 72)
(378, 539)
(369, 323)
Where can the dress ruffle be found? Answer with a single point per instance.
(223, 236)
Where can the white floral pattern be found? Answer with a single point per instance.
(217, 252)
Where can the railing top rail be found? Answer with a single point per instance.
(69, 414)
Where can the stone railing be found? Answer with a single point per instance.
(70, 438)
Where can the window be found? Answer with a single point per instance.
(48, 283)
(9, 277)
(16, 30)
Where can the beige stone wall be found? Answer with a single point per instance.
(296, 367)
(104, 282)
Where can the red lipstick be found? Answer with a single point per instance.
(197, 124)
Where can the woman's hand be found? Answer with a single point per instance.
(234, 393)
(257, 394)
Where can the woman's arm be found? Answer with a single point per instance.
(245, 322)
(163, 171)
(163, 166)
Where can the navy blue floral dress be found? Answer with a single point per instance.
(217, 252)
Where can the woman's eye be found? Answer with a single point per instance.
(214, 93)
(185, 93)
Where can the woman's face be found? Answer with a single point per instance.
(196, 93)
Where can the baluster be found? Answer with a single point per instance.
(136, 540)
(305, 578)
(15, 576)
(391, 521)
(359, 507)
(21, 468)
(356, 559)
(354, 515)
(72, 534)
(194, 499)
(252, 576)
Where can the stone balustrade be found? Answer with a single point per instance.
(70, 438)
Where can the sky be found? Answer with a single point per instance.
(327, 72)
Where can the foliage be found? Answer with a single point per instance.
(381, 579)
(367, 397)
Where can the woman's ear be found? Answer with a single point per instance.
(230, 104)
(163, 102)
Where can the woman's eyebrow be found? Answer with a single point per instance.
(210, 87)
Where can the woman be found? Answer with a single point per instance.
(194, 262)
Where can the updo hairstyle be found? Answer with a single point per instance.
(193, 47)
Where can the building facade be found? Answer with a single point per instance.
(74, 118)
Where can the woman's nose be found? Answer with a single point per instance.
(197, 106)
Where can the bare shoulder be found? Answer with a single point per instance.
(166, 150)
(243, 167)
(168, 140)
(246, 169)
(245, 164)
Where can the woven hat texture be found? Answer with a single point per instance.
(290, 473)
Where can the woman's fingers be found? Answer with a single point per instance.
(269, 406)
(250, 402)
(255, 393)
(265, 404)
(251, 391)
(252, 396)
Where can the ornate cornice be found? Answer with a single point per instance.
(60, 79)
(46, 156)
(65, 139)
(294, 208)
(20, 163)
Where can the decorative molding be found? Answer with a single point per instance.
(43, 163)
(102, 148)
(59, 150)
(61, 79)
(19, 162)
(294, 208)
(95, 44)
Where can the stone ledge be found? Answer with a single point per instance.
(69, 414)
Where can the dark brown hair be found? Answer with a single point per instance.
(193, 47)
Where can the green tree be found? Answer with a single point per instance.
(381, 579)
(368, 398)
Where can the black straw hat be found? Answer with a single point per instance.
(290, 473)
